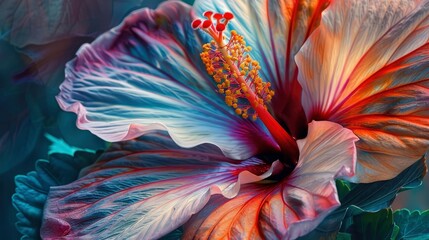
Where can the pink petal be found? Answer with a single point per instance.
(365, 67)
(292, 207)
(144, 189)
(147, 75)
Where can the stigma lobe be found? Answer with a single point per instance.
(214, 24)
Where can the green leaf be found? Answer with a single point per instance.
(372, 225)
(367, 197)
(395, 233)
(412, 225)
(344, 236)
(343, 188)
(379, 195)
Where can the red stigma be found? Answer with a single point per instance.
(220, 27)
(207, 23)
(208, 14)
(214, 24)
(228, 15)
(196, 23)
(217, 16)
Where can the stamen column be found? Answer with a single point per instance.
(238, 78)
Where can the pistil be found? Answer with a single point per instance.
(237, 76)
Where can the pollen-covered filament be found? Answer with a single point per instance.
(237, 77)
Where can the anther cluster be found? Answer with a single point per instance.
(233, 69)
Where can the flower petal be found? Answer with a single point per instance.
(147, 75)
(288, 209)
(275, 30)
(365, 67)
(144, 189)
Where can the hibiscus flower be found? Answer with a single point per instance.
(259, 162)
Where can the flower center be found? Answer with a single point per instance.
(237, 77)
